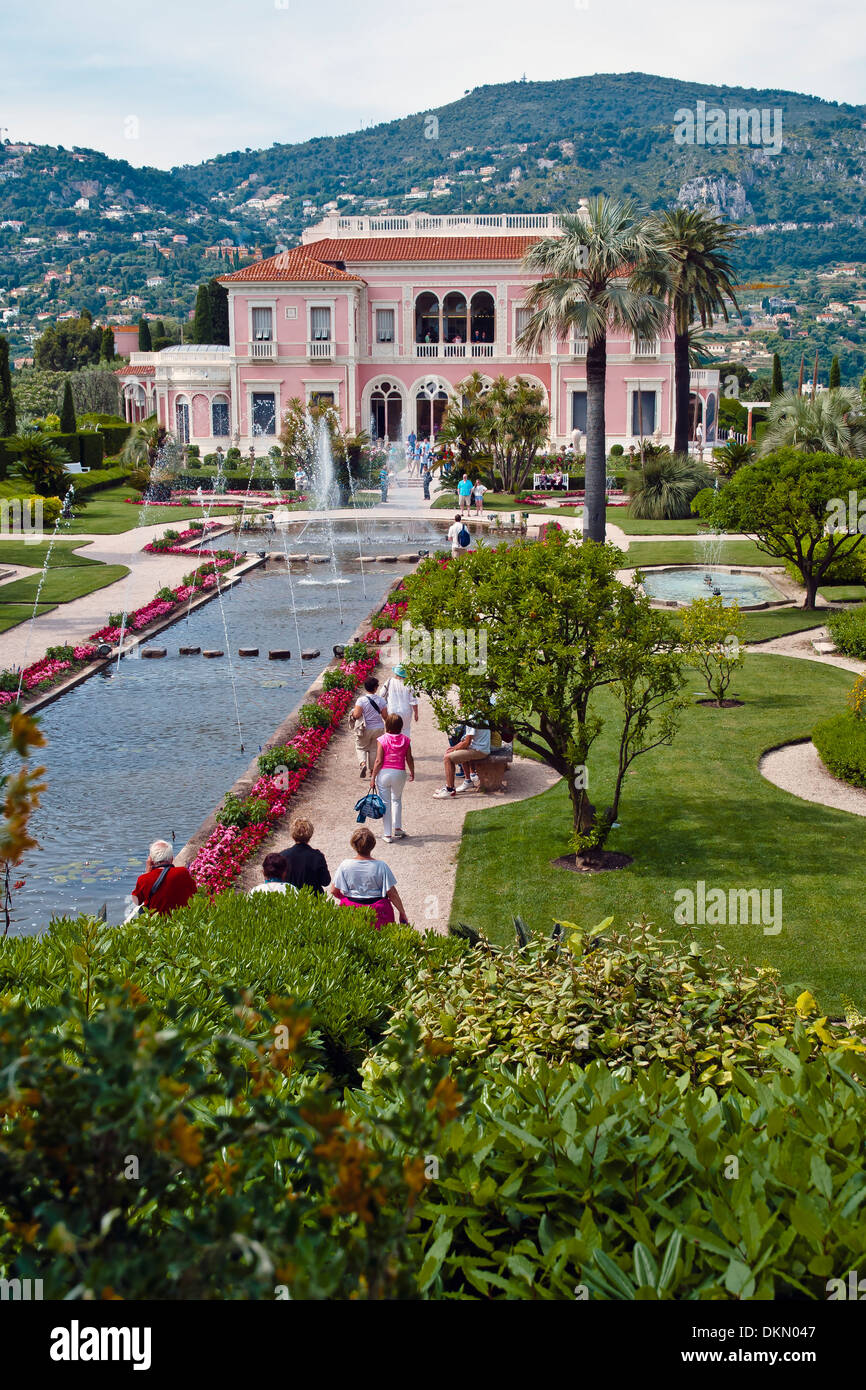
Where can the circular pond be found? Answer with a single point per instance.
(687, 582)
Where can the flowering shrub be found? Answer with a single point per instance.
(223, 855)
(42, 675)
(203, 578)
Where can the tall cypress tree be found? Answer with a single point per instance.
(219, 308)
(835, 374)
(778, 385)
(67, 410)
(144, 340)
(7, 400)
(202, 328)
(106, 347)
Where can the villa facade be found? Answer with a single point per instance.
(383, 318)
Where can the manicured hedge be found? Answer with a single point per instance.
(91, 449)
(234, 481)
(848, 630)
(841, 744)
(99, 479)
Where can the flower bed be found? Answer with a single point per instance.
(205, 577)
(223, 855)
(178, 502)
(42, 675)
(165, 545)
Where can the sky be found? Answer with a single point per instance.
(177, 81)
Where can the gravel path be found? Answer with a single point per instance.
(425, 863)
(798, 769)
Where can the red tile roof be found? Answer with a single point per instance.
(355, 250)
(134, 371)
(295, 264)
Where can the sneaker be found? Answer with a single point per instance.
(443, 792)
(400, 834)
(387, 839)
(466, 786)
(363, 772)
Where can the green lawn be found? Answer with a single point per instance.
(762, 627)
(843, 593)
(107, 514)
(61, 585)
(63, 554)
(699, 810)
(11, 614)
(689, 553)
(618, 516)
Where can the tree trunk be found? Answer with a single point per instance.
(596, 444)
(682, 385)
(811, 581)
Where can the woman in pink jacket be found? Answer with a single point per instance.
(393, 760)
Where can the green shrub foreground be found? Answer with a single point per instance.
(841, 744)
(848, 630)
(174, 1123)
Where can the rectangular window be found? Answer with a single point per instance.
(643, 413)
(322, 398)
(264, 413)
(262, 325)
(384, 325)
(521, 319)
(578, 411)
(220, 418)
(320, 325)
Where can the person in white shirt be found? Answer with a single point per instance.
(401, 698)
(478, 494)
(472, 748)
(453, 532)
(274, 870)
(367, 723)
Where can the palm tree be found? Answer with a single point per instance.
(667, 487)
(696, 285)
(588, 286)
(833, 423)
(144, 443)
(41, 462)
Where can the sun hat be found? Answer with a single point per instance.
(400, 671)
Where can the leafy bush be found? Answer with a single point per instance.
(166, 594)
(848, 630)
(616, 450)
(60, 653)
(567, 1182)
(315, 717)
(125, 1149)
(357, 651)
(9, 680)
(242, 811)
(268, 944)
(631, 998)
(338, 680)
(841, 744)
(282, 755)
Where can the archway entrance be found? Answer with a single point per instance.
(430, 405)
(386, 412)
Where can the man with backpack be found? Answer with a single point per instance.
(459, 535)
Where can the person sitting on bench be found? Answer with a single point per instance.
(472, 748)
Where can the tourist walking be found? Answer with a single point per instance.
(163, 886)
(305, 867)
(400, 698)
(367, 882)
(274, 871)
(366, 719)
(472, 748)
(459, 535)
(393, 761)
(478, 492)
(426, 476)
(464, 492)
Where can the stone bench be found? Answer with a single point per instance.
(492, 769)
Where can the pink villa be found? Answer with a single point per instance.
(383, 316)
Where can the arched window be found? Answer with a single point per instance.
(181, 419)
(386, 411)
(200, 417)
(427, 318)
(482, 319)
(454, 326)
(431, 401)
(220, 416)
